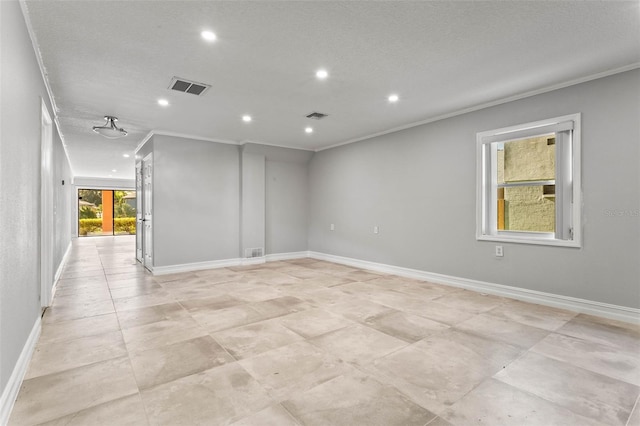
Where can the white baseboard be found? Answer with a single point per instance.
(58, 274)
(287, 256)
(10, 392)
(213, 264)
(196, 266)
(251, 260)
(621, 313)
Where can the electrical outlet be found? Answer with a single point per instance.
(332, 227)
(499, 252)
(376, 229)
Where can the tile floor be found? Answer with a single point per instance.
(306, 342)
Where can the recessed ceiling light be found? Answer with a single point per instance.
(308, 130)
(246, 118)
(393, 98)
(163, 102)
(126, 155)
(114, 170)
(208, 35)
(322, 74)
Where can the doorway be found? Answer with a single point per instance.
(106, 212)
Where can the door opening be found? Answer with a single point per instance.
(106, 212)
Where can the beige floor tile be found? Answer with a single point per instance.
(506, 331)
(59, 356)
(539, 316)
(127, 411)
(223, 319)
(280, 306)
(81, 298)
(181, 276)
(274, 415)
(161, 333)
(73, 329)
(356, 399)
(159, 297)
(601, 330)
(78, 310)
(313, 322)
(306, 273)
(131, 282)
(359, 310)
(341, 345)
(498, 404)
(604, 359)
(420, 289)
(56, 395)
(598, 397)
(92, 290)
(220, 301)
(438, 421)
(196, 291)
(249, 340)
(171, 362)
(290, 370)
(258, 293)
(137, 317)
(361, 275)
(137, 290)
(218, 396)
(407, 327)
(326, 280)
(634, 419)
(322, 297)
(440, 369)
(358, 344)
(470, 301)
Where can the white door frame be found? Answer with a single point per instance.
(46, 207)
(139, 213)
(147, 207)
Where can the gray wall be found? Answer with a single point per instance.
(418, 186)
(287, 208)
(22, 89)
(196, 201)
(252, 206)
(212, 201)
(286, 198)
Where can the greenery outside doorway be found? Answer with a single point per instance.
(106, 212)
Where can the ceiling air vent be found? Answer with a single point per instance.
(317, 115)
(187, 86)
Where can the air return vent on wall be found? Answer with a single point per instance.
(317, 115)
(253, 252)
(187, 86)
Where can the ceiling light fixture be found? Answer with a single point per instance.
(113, 170)
(208, 35)
(393, 98)
(322, 74)
(110, 130)
(246, 118)
(308, 130)
(126, 155)
(163, 102)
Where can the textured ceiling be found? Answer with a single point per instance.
(117, 58)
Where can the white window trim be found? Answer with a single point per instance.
(569, 180)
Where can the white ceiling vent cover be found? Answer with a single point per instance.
(317, 115)
(188, 86)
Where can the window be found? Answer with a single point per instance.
(528, 183)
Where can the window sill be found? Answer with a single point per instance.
(524, 240)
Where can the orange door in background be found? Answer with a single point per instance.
(107, 212)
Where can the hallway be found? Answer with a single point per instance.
(307, 342)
